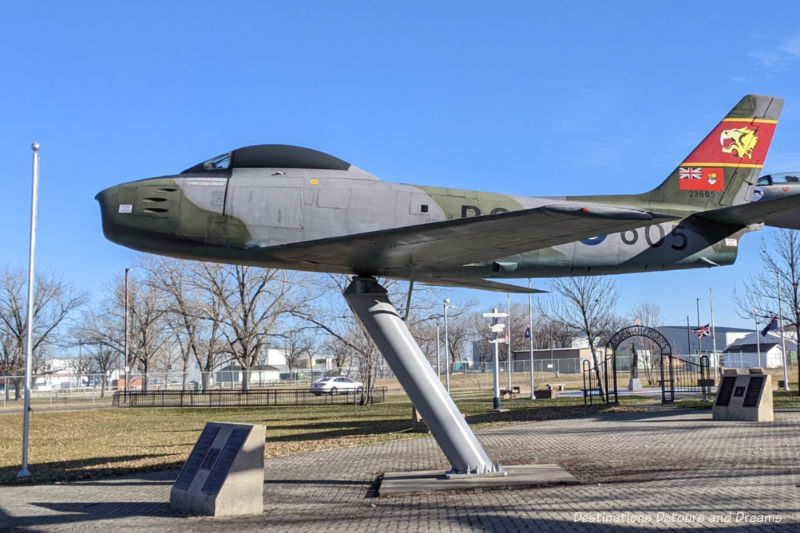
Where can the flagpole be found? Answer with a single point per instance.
(688, 337)
(530, 333)
(699, 337)
(758, 341)
(783, 340)
(24, 473)
(714, 355)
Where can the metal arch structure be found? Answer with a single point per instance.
(640, 331)
(649, 333)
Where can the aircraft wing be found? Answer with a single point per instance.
(477, 283)
(783, 212)
(454, 243)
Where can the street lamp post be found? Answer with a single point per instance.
(125, 349)
(758, 341)
(446, 306)
(438, 355)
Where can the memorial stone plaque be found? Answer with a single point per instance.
(753, 393)
(725, 390)
(196, 458)
(224, 474)
(744, 394)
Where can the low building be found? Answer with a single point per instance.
(756, 350)
(259, 375)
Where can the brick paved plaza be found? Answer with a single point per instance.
(661, 469)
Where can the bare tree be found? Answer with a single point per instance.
(53, 302)
(334, 317)
(780, 259)
(297, 346)
(83, 363)
(587, 306)
(149, 333)
(649, 357)
(340, 352)
(354, 343)
(252, 300)
(194, 313)
(780, 265)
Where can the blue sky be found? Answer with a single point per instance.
(518, 97)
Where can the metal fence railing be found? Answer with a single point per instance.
(250, 398)
(553, 366)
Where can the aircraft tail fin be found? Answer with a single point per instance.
(724, 167)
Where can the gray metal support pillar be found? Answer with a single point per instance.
(369, 301)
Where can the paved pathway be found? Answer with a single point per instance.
(664, 469)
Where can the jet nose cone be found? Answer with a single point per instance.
(108, 199)
(141, 214)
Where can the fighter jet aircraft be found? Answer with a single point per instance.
(296, 208)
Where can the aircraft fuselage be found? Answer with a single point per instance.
(248, 216)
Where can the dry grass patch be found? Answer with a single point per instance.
(77, 445)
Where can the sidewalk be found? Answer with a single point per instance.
(664, 469)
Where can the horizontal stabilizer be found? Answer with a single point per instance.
(481, 284)
(779, 212)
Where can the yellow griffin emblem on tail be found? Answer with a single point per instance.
(738, 142)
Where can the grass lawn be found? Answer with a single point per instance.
(73, 445)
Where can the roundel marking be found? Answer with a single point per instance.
(594, 241)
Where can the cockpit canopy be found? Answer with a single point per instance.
(270, 156)
(783, 177)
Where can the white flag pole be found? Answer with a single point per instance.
(783, 339)
(714, 356)
(24, 473)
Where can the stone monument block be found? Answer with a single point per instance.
(744, 394)
(224, 474)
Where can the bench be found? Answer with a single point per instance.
(546, 393)
(561, 386)
(506, 394)
(590, 392)
(706, 382)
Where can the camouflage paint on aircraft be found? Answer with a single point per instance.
(290, 207)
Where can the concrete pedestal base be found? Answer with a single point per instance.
(224, 475)
(744, 394)
(634, 384)
(519, 477)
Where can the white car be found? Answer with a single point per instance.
(334, 385)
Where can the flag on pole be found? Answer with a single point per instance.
(773, 324)
(704, 331)
(528, 332)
